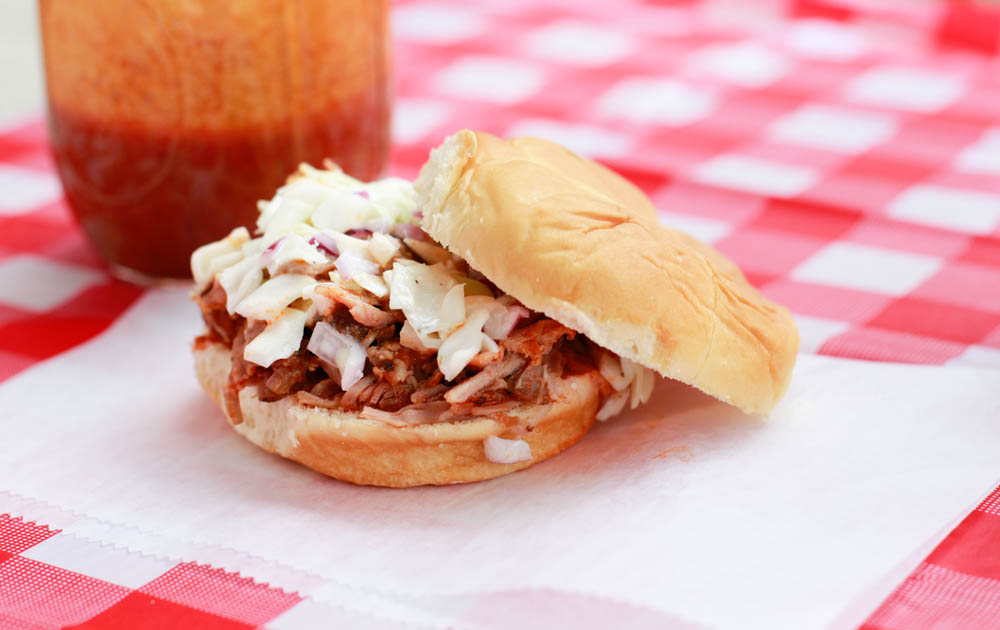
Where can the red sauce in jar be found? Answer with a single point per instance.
(146, 200)
(170, 120)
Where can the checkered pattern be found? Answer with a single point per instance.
(100, 587)
(958, 586)
(847, 158)
(54, 292)
(49, 579)
(853, 179)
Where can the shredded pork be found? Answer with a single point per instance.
(401, 385)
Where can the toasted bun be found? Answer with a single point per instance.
(571, 239)
(367, 452)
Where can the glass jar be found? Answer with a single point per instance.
(169, 119)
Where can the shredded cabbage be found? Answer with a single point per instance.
(452, 308)
(294, 247)
(279, 340)
(268, 300)
(253, 247)
(377, 225)
(350, 245)
(642, 385)
(632, 371)
(613, 405)
(335, 178)
(489, 345)
(383, 248)
(212, 258)
(308, 190)
(372, 283)
(315, 208)
(305, 192)
(633, 383)
(424, 294)
(240, 280)
(463, 344)
(221, 263)
(343, 212)
(610, 366)
(394, 197)
(350, 265)
(334, 201)
(292, 212)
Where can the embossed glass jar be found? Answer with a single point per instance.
(169, 119)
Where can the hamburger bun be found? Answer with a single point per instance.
(367, 452)
(569, 238)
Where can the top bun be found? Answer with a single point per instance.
(571, 239)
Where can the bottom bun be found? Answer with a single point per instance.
(368, 452)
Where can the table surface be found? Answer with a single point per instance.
(848, 159)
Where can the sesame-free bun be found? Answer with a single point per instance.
(368, 452)
(571, 239)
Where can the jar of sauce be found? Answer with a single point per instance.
(169, 119)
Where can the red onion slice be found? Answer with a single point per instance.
(269, 253)
(344, 351)
(502, 321)
(349, 265)
(409, 230)
(325, 242)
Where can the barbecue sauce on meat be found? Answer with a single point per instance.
(399, 376)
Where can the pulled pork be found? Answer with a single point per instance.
(220, 323)
(398, 380)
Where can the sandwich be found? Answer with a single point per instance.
(473, 322)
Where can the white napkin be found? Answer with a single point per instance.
(683, 507)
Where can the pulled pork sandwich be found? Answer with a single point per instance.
(472, 323)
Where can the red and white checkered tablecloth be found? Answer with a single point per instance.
(848, 158)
